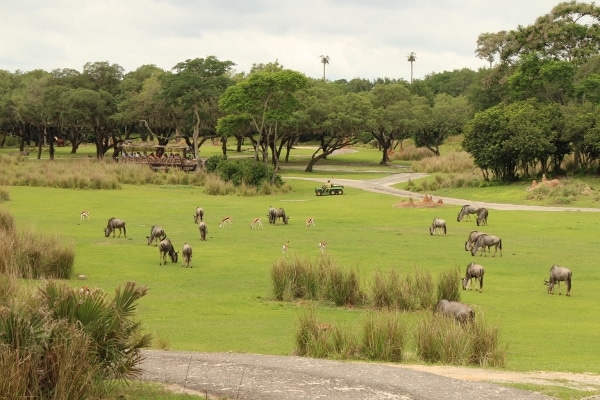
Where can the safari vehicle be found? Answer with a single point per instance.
(334, 189)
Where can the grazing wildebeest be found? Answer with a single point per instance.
(186, 251)
(437, 225)
(156, 233)
(482, 216)
(487, 241)
(466, 210)
(203, 230)
(473, 236)
(166, 247)
(474, 271)
(454, 309)
(275, 214)
(114, 224)
(558, 274)
(199, 215)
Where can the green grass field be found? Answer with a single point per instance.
(225, 302)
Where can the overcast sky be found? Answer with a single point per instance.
(363, 38)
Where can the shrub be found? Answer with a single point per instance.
(385, 290)
(297, 279)
(4, 196)
(341, 287)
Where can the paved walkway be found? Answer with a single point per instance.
(263, 377)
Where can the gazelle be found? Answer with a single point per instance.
(256, 224)
(285, 246)
(322, 247)
(310, 222)
(225, 221)
(85, 215)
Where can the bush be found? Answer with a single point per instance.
(448, 286)
(65, 344)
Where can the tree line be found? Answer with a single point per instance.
(532, 107)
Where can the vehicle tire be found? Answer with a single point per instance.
(340, 192)
(318, 193)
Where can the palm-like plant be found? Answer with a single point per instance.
(412, 57)
(324, 61)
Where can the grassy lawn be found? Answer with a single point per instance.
(225, 302)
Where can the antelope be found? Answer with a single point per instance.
(285, 246)
(256, 224)
(310, 222)
(225, 221)
(84, 215)
(322, 247)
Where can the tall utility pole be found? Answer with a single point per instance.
(412, 57)
(324, 60)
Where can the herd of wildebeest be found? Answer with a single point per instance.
(477, 241)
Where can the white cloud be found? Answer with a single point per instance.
(363, 39)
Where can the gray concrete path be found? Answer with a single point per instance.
(263, 377)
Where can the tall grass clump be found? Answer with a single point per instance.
(412, 292)
(339, 286)
(295, 279)
(453, 162)
(384, 336)
(322, 340)
(37, 256)
(448, 286)
(4, 195)
(442, 339)
(7, 221)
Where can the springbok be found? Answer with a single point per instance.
(310, 222)
(256, 223)
(285, 246)
(322, 247)
(225, 221)
(84, 215)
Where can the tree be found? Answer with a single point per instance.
(391, 114)
(447, 117)
(267, 100)
(412, 57)
(194, 88)
(324, 61)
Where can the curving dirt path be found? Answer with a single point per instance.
(252, 376)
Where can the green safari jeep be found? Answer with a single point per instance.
(334, 189)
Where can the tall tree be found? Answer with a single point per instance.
(267, 100)
(195, 86)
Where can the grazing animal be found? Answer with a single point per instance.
(203, 230)
(487, 241)
(166, 247)
(156, 233)
(275, 214)
(455, 309)
(558, 274)
(473, 236)
(322, 247)
(474, 271)
(256, 223)
(437, 225)
(84, 215)
(225, 221)
(199, 215)
(310, 222)
(114, 224)
(482, 216)
(467, 210)
(285, 246)
(186, 252)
